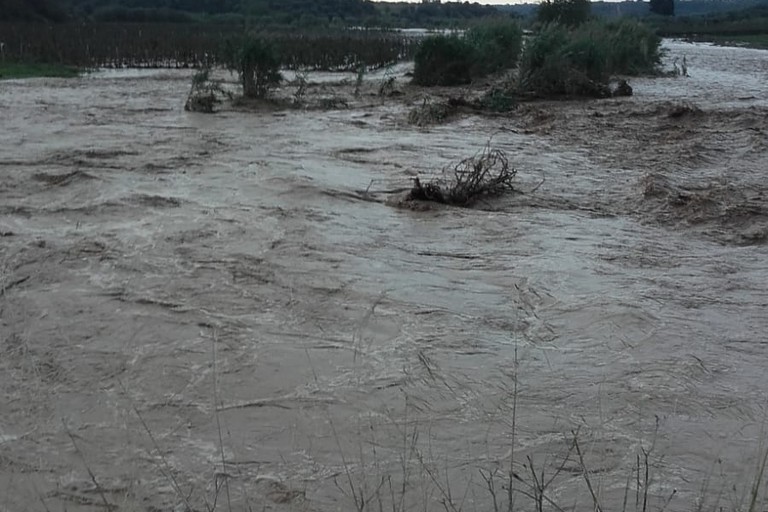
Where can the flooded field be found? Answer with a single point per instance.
(204, 312)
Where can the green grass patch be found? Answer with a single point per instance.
(10, 70)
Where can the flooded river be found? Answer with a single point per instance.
(204, 312)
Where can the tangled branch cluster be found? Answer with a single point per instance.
(485, 174)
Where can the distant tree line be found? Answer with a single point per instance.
(266, 12)
(663, 7)
(31, 10)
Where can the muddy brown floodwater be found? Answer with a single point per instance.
(204, 312)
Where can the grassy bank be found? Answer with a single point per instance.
(746, 27)
(759, 41)
(29, 70)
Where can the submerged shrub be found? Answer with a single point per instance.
(497, 46)
(443, 60)
(205, 93)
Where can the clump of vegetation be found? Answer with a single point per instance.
(430, 113)
(497, 46)
(301, 81)
(204, 93)
(566, 12)
(443, 60)
(633, 48)
(485, 174)
(258, 66)
(360, 77)
(455, 60)
(580, 61)
(387, 86)
(497, 100)
(550, 65)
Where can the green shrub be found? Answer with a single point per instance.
(589, 52)
(497, 45)
(544, 62)
(451, 60)
(634, 47)
(579, 61)
(258, 66)
(443, 60)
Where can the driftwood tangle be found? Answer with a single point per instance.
(486, 174)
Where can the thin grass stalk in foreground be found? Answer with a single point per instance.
(511, 476)
(585, 473)
(96, 484)
(39, 496)
(668, 500)
(214, 340)
(626, 492)
(358, 492)
(758, 478)
(165, 467)
(647, 478)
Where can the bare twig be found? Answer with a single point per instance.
(511, 476)
(165, 468)
(758, 480)
(491, 487)
(585, 473)
(98, 487)
(485, 174)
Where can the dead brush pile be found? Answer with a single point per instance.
(429, 113)
(485, 174)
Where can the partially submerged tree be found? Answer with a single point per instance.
(205, 92)
(258, 65)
